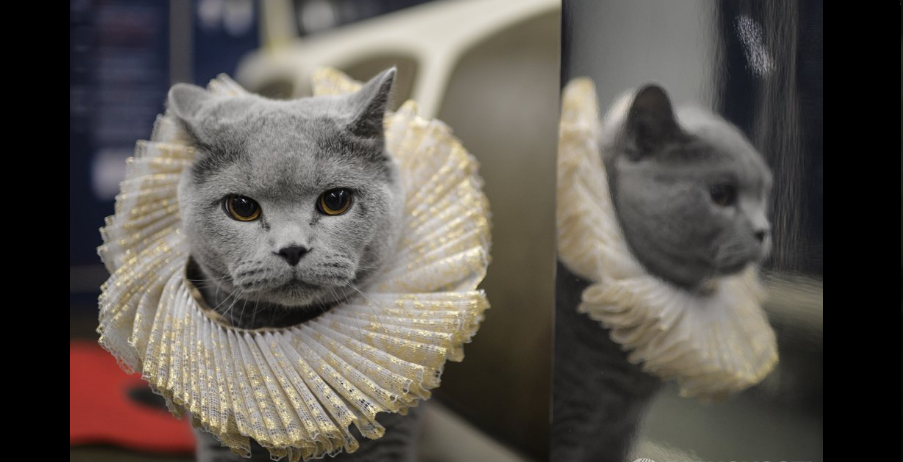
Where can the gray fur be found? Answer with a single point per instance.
(284, 154)
(662, 167)
(599, 397)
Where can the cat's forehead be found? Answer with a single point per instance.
(275, 174)
(269, 121)
(290, 148)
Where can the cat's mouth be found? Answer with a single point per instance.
(291, 288)
(732, 259)
(732, 268)
(298, 293)
(298, 284)
(315, 283)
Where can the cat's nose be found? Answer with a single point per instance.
(293, 253)
(760, 234)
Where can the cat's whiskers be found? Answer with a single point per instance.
(254, 311)
(241, 316)
(351, 284)
(205, 283)
(215, 308)
(218, 284)
(215, 283)
(372, 305)
(232, 305)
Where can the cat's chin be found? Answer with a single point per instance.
(299, 294)
(287, 305)
(732, 269)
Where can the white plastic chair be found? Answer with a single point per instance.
(434, 35)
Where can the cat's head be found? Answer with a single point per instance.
(290, 203)
(689, 189)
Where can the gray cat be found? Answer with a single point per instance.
(290, 208)
(690, 193)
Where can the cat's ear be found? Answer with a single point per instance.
(186, 101)
(651, 122)
(370, 104)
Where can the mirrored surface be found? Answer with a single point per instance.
(674, 175)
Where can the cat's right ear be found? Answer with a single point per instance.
(651, 122)
(186, 101)
(371, 102)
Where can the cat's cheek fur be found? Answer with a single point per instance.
(389, 213)
(207, 257)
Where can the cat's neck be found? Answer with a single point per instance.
(231, 308)
(600, 397)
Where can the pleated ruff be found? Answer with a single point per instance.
(297, 390)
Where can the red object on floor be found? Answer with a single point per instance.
(101, 412)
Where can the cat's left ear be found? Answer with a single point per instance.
(370, 103)
(651, 122)
(186, 101)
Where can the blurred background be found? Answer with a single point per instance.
(488, 68)
(760, 65)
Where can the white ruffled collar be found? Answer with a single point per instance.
(297, 390)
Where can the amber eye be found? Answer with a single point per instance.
(723, 195)
(241, 208)
(334, 201)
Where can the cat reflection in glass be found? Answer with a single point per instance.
(689, 190)
(662, 221)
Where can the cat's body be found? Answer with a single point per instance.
(290, 208)
(599, 397)
(396, 446)
(690, 195)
